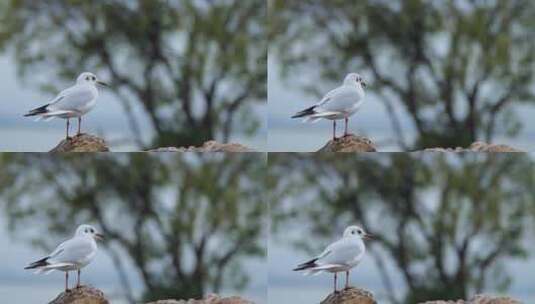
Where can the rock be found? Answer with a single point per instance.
(349, 143)
(210, 299)
(82, 295)
(82, 143)
(351, 295)
(477, 146)
(209, 146)
(479, 299)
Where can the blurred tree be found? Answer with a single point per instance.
(447, 224)
(185, 221)
(455, 68)
(195, 66)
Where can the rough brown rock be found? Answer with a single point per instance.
(479, 299)
(82, 295)
(354, 143)
(82, 143)
(209, 146)
(210, 299)
(478, 146)
(351, 295)
(349, 143)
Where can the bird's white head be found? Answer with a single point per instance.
(89, 78)
(353, 231)
(353, 78)
(88, 230)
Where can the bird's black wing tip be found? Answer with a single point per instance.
(305, 112)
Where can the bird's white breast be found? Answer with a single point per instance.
(76, 101)
(343, 101)
(92, 103)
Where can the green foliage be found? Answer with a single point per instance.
(454, 68)
(194, 66)
(187, 222)
(447, 223)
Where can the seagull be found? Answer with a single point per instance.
(340, 103)
(340, 256)
(75, 101)
(73, 254)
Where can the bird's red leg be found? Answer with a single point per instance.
(78, 282)
(79, 125)
(345, 131)
(334, 129)
(66, 281)
(347, 279)
(67, 129)
(335, 277)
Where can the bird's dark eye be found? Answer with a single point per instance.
(87, 78)
(92, 230)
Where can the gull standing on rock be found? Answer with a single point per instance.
(340, 103)
(75, 101)
(340, 256)
(73, 254)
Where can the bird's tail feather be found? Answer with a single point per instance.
(37, 111)
(324, 114)
(57, 113)
(325, 267)
(306, 265)
(39, 263)
(311, 268)
(305, 112)
(51, 267)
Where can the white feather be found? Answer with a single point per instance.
(339, 103)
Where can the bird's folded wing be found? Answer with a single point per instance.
(339, 100)
(72, 99)
(71, 251)
(342, 252)
(325, 253)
